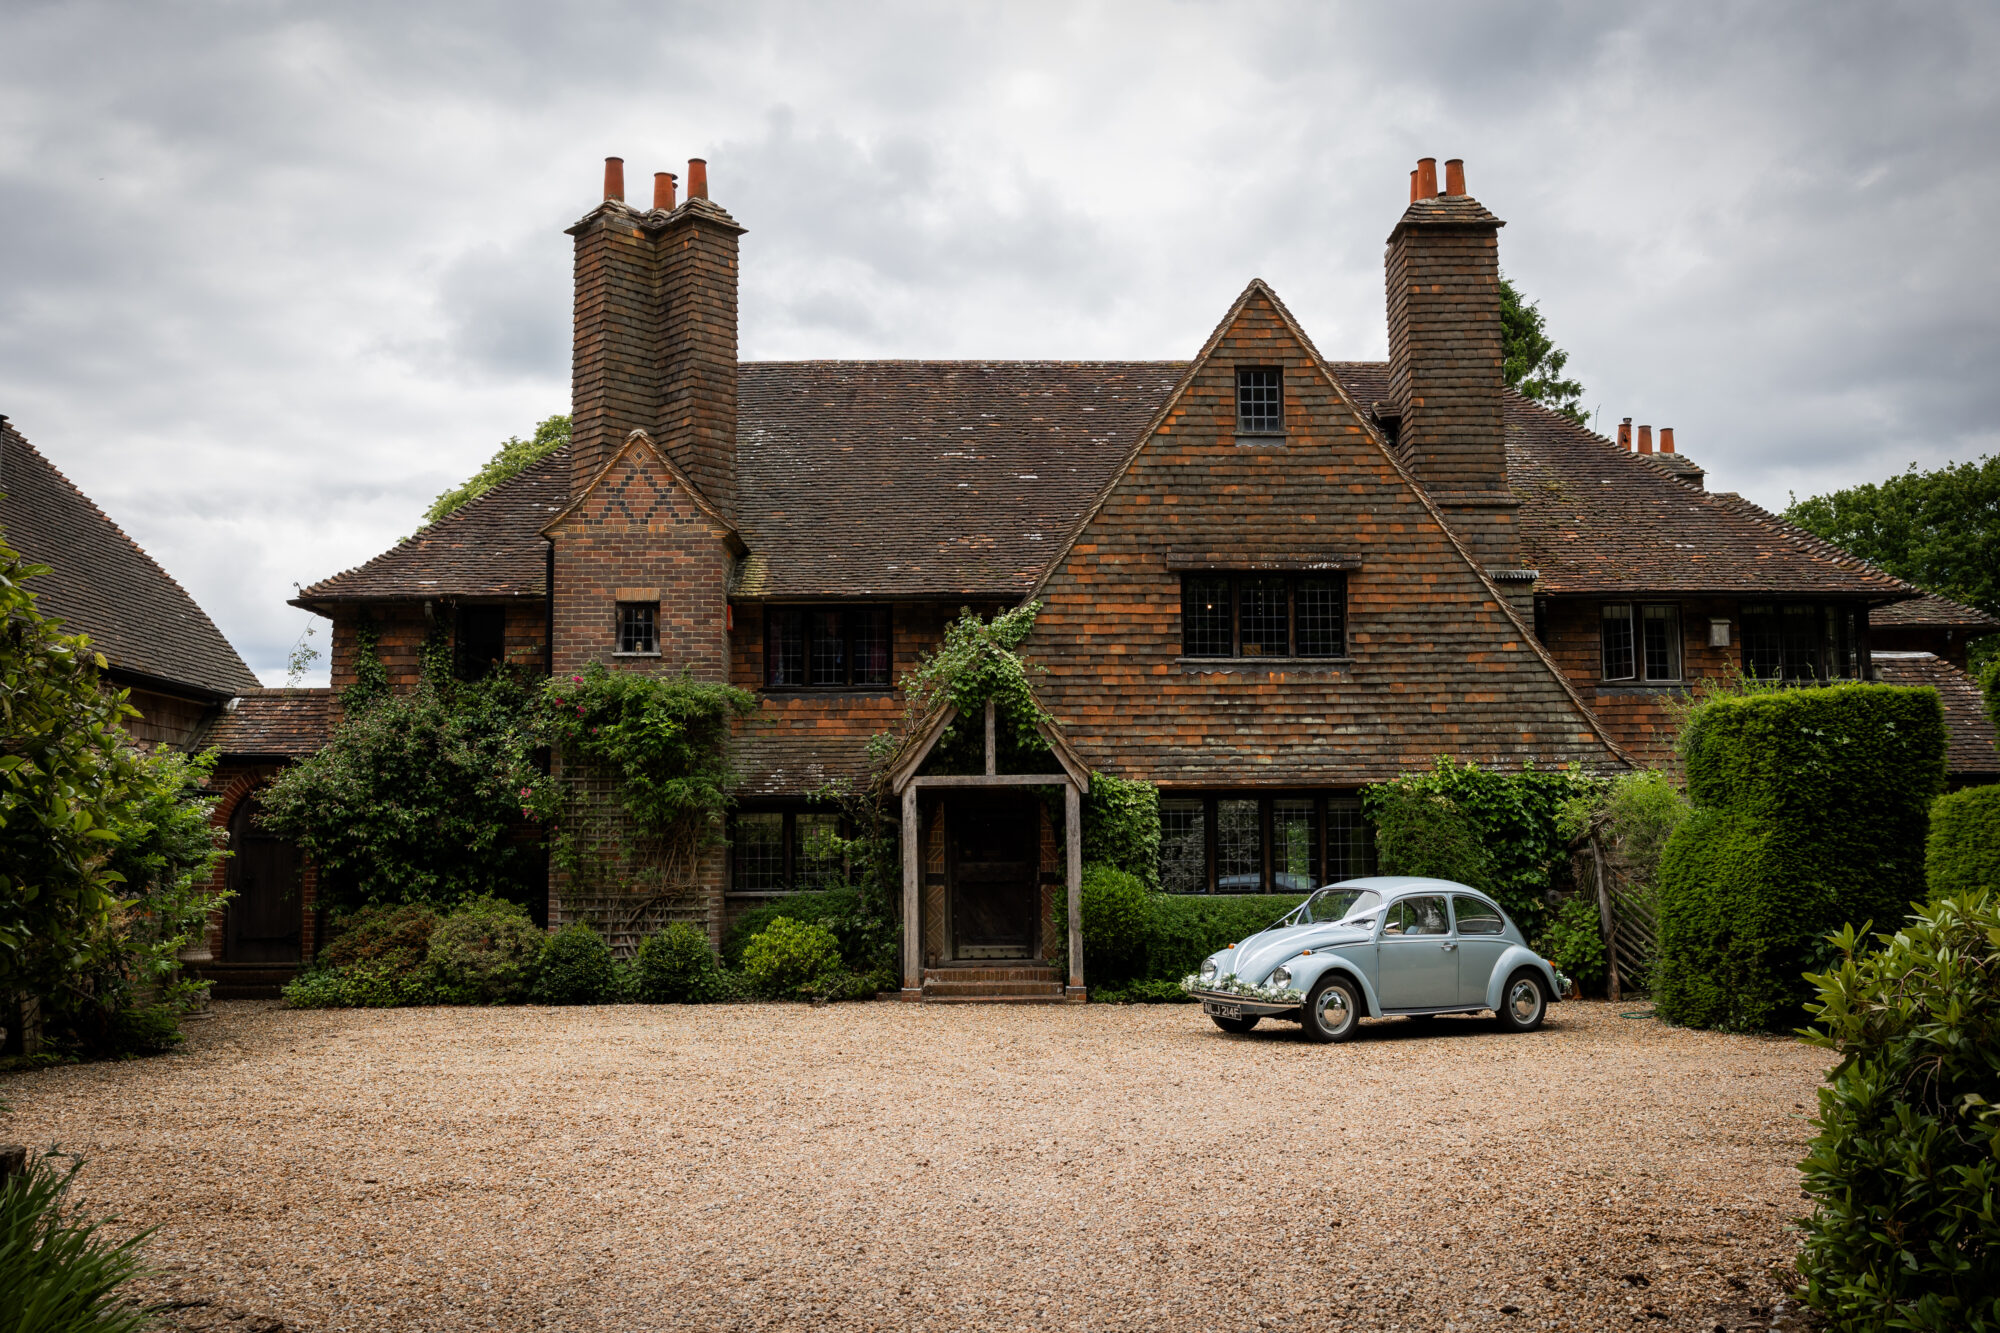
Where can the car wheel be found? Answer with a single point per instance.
(1239, 1026)
(1523, 1003)
(1332, 1010)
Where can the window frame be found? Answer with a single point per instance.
(793, 857)
(618, 640)
(850, 614)
(1325, 805)
(1268, 432)
(1839, 641)
(1293, 580)
(1635, 629)
(463, 666)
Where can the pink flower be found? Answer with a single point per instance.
(577, 679)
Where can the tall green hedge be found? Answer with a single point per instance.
(1121, 826)
(1963, 854)
(1810, 809)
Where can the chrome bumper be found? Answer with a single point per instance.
(1225, 1005)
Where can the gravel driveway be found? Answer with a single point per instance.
(911, 1166)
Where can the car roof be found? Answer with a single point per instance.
(1396, 886)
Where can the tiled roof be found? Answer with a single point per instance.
(104, 585)
(1596, 518)
(492, 547)
(927, 478)
(1934, 612)
(798, 759)
(1972, 748)
(274, 724)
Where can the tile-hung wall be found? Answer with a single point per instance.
(1243, 842)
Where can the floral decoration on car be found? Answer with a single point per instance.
(1230, 984)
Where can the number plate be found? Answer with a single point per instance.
(1222, 1010)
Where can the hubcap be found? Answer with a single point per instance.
(1524, 1000)
(1333, 1010)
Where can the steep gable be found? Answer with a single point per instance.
(1437, 662)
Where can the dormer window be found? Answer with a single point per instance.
(1260, 400)
(826, 648)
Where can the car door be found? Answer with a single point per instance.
(1417, 967)
(1480, 943)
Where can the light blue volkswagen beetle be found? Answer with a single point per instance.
(1368, 948)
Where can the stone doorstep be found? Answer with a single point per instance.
(993, 988)
(995, 999)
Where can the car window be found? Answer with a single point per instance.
(1417, 916)
(1476, 917)
(1337, 905)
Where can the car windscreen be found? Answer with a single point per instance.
(1337, 904)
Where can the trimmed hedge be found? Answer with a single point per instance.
(1810, 809)
(576, 968)
(788, 959)
(676, 966)
(1906, 1166)
(1963, 853)
(1137, 945)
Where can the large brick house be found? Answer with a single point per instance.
(1265, 578)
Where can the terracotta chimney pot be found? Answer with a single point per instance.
(697, 178)
(614, 178)
(663, 190)
(1666, 439)
(1413, 187)
(1645, 439)
(1454, 176)
(1625, 435)
(1427, 177)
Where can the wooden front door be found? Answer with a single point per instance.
(266, 914)
(995, 869)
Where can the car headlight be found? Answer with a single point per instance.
(1208, 970)
(1281, 977)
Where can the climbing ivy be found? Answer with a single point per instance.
(976, 662)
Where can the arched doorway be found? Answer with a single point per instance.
(265, 918)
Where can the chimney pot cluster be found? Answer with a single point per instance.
(1645, 441)
(1424, 180)
(665, 183)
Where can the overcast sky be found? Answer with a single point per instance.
(274, 275)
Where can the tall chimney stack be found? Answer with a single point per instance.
(1447, 360)
(1454, 176)
(663, 191)
(1666, 439)
(1645, 439)
(614, 178)
(1625, 435)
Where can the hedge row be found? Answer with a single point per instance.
(1810, 812)
(1138, 944)
(1963, 853)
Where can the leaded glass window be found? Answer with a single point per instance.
(636, 621)
(1260, 401)
(1321, 605)
(1239, 847)
(827, 648)
(785, 851)
(1263, 615)
(1661, 626)
(1183, 846)
(1206, 618)
(757, 850)
(1615, 631)
(816, 859)
(1350, 841)
(1294, 846)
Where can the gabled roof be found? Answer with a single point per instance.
(274, 724)
(920, 479)
(1931, 611)
(489, 548)
(104, 585)
(1972, 748)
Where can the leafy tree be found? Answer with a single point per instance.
(515, 457)
(1534, 364)
(1939, 530)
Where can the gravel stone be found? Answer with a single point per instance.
(898, 1166)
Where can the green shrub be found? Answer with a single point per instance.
(57, 1275)
(485, 952)
(576, 968)
(1121, 826)
(868, 941)
(396, 938)
(1115, 918)
(316, 988)
(1143, 946)
(1186, 928)
(1422, 832)
(1810, 808)
(1963, 853)
(790, 958)
(676, 966)
(1905, 1169)
(1574, 941)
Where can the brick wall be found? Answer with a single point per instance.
(1639, 714)
(401, 629)
(1435, 666)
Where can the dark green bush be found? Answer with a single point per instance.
(1115, 920)
(676, 966)
(1810, 809)
(1186, 928)
(57, 1275)
(576, 968)
(1963, 853)
(1121, 826)
(1574, 940)
(868, 940)
(789, 959)
(486, 952)
(1146, 945)
(1905, 1170)
(397, 938)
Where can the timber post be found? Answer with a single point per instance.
(913, 934)
(1606, 921)
(1073, 836)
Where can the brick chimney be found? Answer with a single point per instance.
(1645, 439)
(1625, 435)
(1446, 362)
(655, 332)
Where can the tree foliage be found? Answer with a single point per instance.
(515, 457)
(1534, 364)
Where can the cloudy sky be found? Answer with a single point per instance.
(274, 275)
